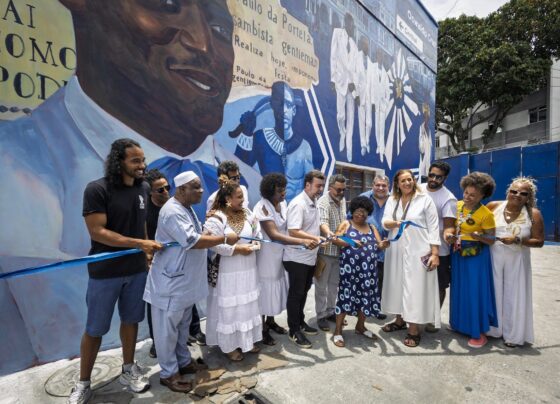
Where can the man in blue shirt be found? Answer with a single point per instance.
(379, 194)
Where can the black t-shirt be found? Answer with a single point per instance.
(125, 208)
(152, 218)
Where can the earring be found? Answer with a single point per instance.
(228, 204)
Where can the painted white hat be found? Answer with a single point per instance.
(184, 178)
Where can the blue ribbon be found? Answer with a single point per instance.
(402, 227)
(262, 240)
(78, 261)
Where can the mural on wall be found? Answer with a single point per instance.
(275, 85)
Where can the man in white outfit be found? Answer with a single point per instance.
(366, 72)
(344, 58)
(381, 96)
(425, 143)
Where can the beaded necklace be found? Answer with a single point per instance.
(236, 220)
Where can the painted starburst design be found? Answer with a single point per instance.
(401, 108)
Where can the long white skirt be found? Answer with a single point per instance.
(273, 282)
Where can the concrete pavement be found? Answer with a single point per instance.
(443, 369)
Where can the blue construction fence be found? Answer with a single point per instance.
(541, 162)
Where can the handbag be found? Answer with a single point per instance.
(213, 269)
(470, 248)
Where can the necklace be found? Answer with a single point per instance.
(511, 215)
(236, 220)
(468, 219)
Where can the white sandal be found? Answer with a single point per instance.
(338, 341)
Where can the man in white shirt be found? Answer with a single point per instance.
(303, 222)
(446, 205)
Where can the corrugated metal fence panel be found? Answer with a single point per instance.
(542, 163)
(506, 165)
(459, 167)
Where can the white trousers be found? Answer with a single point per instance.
(345, 120)
(326, 287)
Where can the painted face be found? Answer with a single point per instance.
(160, 191)
(380, 189)
(518, 193)
(406, 183)
(133, 165)
(472, 196)
(173, 58)
(336, 191)
(315, 188)
(436, 178)
(236, 199)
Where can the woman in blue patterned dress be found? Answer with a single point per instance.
(358, 288)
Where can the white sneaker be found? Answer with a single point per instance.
(139, 370)
(80, 394)
(134, 380)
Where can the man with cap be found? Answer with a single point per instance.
(177, 280)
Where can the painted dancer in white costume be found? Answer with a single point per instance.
(366, 73)
(381, 97)
(344, 59)
(519, 227)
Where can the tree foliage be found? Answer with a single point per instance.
(488, 65)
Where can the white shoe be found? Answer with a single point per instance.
(80, 394)
(134, 380)
(140, 370)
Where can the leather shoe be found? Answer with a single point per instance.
(176, 383)
(381, 316)
(193, 367)
(323, 324)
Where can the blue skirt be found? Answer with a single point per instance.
(473, 302)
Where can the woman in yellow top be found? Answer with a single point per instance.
(473, 304)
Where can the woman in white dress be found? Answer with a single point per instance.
(410, 286)
(519, 227)
(234, 322)
(271, 212)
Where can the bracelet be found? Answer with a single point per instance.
(225, 239)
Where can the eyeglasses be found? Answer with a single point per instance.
(235, 178)
(339, 190)
(435, 176)
(522, 193)
(161, 190)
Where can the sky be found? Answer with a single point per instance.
(441, 9)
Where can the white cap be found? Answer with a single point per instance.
(184, 178)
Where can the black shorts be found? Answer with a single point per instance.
(444, 272)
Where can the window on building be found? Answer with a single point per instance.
(537, 114)
(437, 142)
(359, 179)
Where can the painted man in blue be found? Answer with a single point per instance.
(277, 149)
(379, 195)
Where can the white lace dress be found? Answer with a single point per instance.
(273, 282)
(234, 318)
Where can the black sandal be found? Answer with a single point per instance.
(510, 345)
(267, 339)
(275, 327)
(414, 338)
(394, 326)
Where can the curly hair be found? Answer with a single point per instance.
(396, 191)
(226, 166)
(270, 183)
(532, 197)
(361, 202)
(484, 183)
(227, 188)
(153, 175)
(113, 168)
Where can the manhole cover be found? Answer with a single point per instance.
(106, 369)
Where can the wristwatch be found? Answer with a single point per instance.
(517, 240)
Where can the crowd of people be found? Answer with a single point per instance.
(386, 252)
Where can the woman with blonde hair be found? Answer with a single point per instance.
(519, 227)
(234, 320)
(410, 286)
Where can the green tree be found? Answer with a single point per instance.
(486, 66)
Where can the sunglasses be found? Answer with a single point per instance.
(522, 193)
(435, 176)
(162, 189)
(235, 178)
